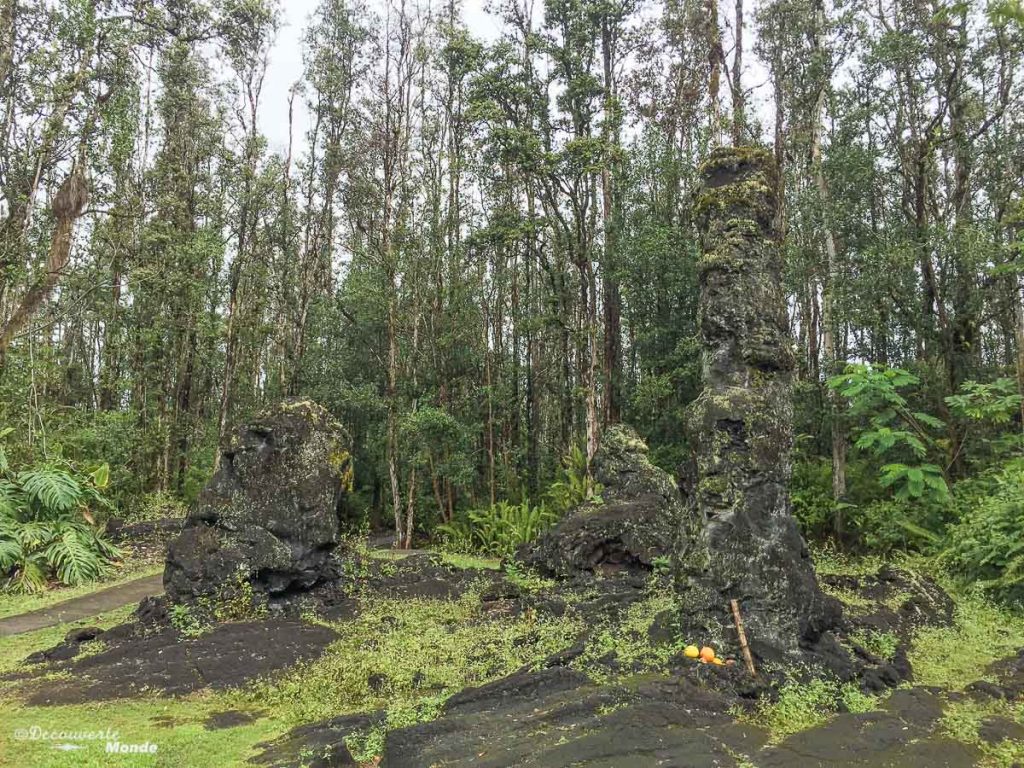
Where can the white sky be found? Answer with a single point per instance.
(286, 64)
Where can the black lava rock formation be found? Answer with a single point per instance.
(270, 516)
(739, 539)
(631, 526)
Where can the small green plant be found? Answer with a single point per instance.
(575, 486)
(366, 745)
(184, 619)
(986, 547)
(524, 578)
(48, 525)
(800, 706)
(497, 531)
(881, 644)
(662, 564)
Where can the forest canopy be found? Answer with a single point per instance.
(482, 252)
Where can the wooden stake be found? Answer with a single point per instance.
(744, 648)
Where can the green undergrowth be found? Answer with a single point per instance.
(949, 658)
(952, 657)
(800, 706)
(407, 656)
(962, 721)
(470, 562)
(828, 561)
(881, 644)
(628, 640)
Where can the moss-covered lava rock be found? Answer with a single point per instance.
(631, 526)
(738, 538)
(269, 518)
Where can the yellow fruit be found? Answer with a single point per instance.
(691, 652)
(707, 653)
(717, 661)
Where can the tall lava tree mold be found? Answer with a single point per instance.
(739, 539)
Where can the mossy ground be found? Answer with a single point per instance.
(948, 658)
(401, 656)
(406, 656)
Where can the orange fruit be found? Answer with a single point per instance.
(707, 653)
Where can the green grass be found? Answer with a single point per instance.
(174, 725)
(470, 562)
(962, 720)
(414, 650)
(801, 706)
(13, 650)
(423, 650)
(629, 639)
(407, 656)
(13, 603)
(952, 657)
(828, 561)
(881, 644)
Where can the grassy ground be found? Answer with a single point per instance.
(949, 658)
(403, 656)
(407, 656)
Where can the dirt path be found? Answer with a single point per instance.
(83, 607)
(105, 600)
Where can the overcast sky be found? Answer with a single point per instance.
(286, 64)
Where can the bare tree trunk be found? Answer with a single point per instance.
(715, 58)
(739, 100)
(828, 284)
(410, 511)
(392, 444)
(490, 408)
(610, 280)
(68, 205)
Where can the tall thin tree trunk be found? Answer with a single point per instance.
(828, 323)
(739, 99)
(609, 276)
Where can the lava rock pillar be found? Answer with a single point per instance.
(739, 539)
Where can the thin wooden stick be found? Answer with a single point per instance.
(744, 648)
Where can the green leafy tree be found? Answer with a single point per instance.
(891, 428)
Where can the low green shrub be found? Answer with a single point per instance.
(497, 531)
(986, 546)
(156, 506)
(887, 525)
(811, 494)
(800, 706)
